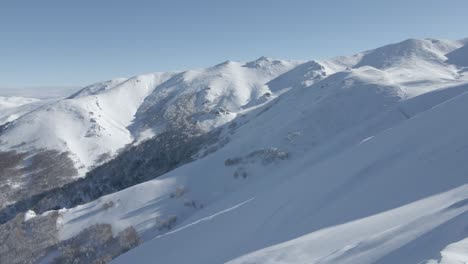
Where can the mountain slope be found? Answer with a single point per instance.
(459, 57)
(280, 214)
(13, 107)
(356, 159)
(93, 125)
(361, 182)
(99, 119)
(208, 98)
(85, 126)
(377, 103)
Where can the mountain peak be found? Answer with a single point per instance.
(263, 61)
(97, 88)
(226, 63)
(396, 54)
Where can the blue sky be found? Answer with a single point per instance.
(73, 43)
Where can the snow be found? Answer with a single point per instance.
(89, 124)
(370, 195)
(97, 88)
(459, 57)
(28, 215)
(303, 75)
(357, 159)
(454, 253)
(429, 50)
(358, 204)
(14, 101)
(104, 117)
(11, 108)
(230, 87)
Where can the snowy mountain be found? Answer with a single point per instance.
(355, 159)
(92, 125)
(13, 107)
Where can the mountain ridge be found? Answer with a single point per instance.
(261, 160)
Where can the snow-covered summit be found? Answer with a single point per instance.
(207, 98)
(406, 52)
(104, 117)
(97, 88)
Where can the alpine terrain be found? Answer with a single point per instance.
(354, 159)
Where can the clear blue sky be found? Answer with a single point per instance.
(73, 43)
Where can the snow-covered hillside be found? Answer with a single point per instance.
(357, 159)
(91, 126)
(13, 107)
(104, 117)
(85, 125)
